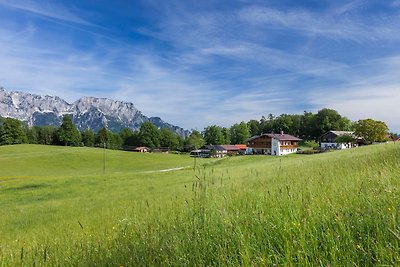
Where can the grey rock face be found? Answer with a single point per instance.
(87, 112)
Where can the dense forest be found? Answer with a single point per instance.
(307, 126)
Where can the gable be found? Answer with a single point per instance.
(330, 136)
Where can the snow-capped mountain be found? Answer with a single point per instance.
(87, 112)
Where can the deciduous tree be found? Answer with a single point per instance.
(329, 119)
(345, 139)
(194, 141)
(254, 127)
(227, 135)
(149, 135)
(213, 135)
(239, 133)
(371, 130)
(169, 139)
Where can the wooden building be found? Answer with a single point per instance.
(141, 149)
(231, 149)
(201, 153)
(328, 140)
(217, 151)
(242, 148)
(273, 144)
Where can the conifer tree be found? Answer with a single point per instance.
(67, 134)
(12, 132)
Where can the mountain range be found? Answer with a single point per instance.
(87, 112)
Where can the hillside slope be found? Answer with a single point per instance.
(339, 208)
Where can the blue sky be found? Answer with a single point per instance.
(197, 63)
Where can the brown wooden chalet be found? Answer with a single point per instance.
(273, 144)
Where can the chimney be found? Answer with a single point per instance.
(281, 132)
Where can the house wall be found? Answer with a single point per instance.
(328, 138)
(261, 145)
(276, 151)
(337, 145)
(232, 152)
(201, 153)
(261, 142)
(286, 151)
(272, 146)
(263, 151)
(280, 148)
(218, 153)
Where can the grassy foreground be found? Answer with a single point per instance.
(338, 209)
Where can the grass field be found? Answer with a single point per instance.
(58, 208)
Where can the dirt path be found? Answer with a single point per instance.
(167, 170)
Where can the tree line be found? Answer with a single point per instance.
(13, 131)
(307, 126)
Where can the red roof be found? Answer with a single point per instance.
(241, 147)
(230, 147)
(284, 137)
(280, 137)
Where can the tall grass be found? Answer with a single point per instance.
(335, 209)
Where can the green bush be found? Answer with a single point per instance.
(311, 143)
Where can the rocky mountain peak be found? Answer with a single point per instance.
(87, 112)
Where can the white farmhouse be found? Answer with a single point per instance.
(328, 140)
(273, 144)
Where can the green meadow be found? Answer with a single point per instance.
(60, 207)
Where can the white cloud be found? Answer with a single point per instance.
(28, 63)
(159, 90)
(348, 7)
(332, 24)
(395, 3)
(277, 59)
(218, 67)
(376, 102)
(374, 92)
(49, 9)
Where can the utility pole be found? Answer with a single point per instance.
(104, 158)
(194, 159)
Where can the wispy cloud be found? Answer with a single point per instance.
(49, 9)
(277, 59)
(245, 34)
(156, 86)
(373, 93)
(348, 7)
(50, 67)
(331, 24)
(395, 3)
(196, 64)
(376, 102)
